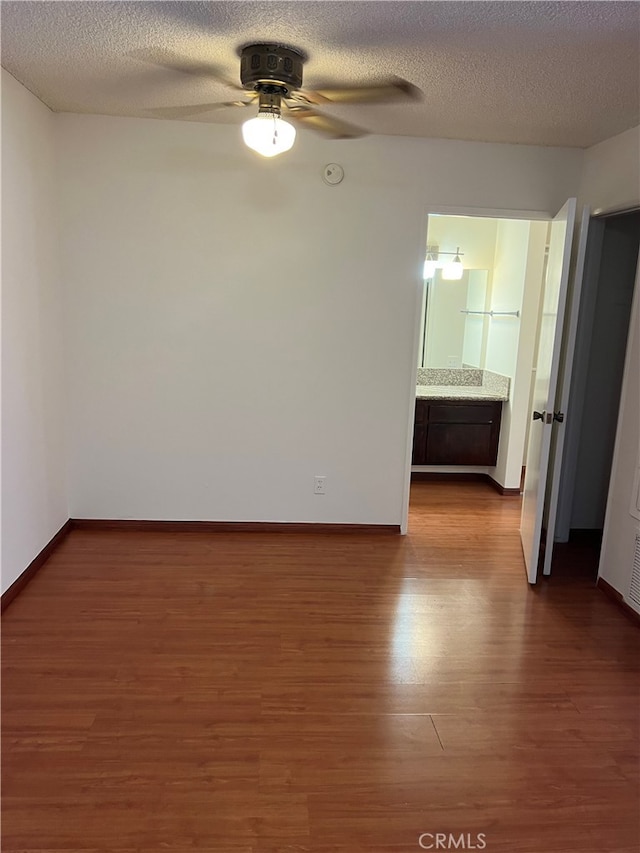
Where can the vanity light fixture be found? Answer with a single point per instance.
(430, 264)
(454, 269)
(451, 270)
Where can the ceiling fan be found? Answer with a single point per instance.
(271, 77)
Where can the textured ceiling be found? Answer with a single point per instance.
(560, 73)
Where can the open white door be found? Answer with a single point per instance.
(546, 380)
(559, 431)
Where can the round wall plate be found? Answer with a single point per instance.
(332, 174)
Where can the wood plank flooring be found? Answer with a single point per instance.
(281, 693)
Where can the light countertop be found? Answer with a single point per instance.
(458, 392)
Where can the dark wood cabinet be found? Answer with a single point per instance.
(419, 444)
(453, 432)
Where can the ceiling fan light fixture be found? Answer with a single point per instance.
(268, 134)
(272, 73)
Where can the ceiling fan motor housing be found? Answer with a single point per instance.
(264, 64)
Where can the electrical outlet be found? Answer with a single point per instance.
(319, 485)
(452, 361)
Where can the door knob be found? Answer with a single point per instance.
(539, 416)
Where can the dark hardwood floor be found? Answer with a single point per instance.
(254, 693)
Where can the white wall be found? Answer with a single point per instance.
(238, 326)
(476, 326)
(611, 175)
(445, 331)
(611, 179)
(509, 269)
(34, 501)
(517, 286)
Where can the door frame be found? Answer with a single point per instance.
(617, 447)
(566, 368)
(580, 375)
(444, 210)
(577, 389)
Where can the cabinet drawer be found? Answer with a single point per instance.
(461, 444)
(464, 413)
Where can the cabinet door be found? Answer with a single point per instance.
(461, 444)
(419, 444)
(420, 433)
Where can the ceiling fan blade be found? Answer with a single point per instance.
(327, 125)
(194, 109)
(185, 65)
(387, 91)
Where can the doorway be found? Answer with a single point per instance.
(601, 341)
(483, 317)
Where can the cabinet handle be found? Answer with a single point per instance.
(539, 416)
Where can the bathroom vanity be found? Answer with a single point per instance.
(456, 423)
(451, 432)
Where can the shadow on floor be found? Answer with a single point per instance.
(578, 558)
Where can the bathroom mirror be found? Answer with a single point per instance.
(453, 334)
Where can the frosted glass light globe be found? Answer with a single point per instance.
(429, 268)
(452, 271)
(268, 134)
